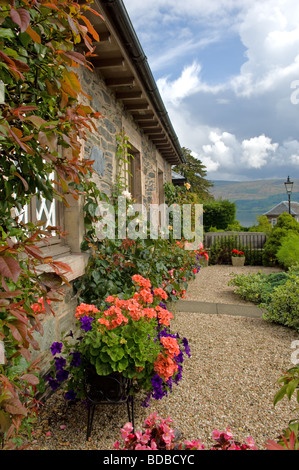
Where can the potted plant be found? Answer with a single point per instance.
(131, 337)
(238, 258)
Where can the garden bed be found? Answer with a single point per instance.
(230, 380)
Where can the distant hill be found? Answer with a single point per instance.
(253, 198)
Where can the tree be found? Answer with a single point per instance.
(195, 172)
(264, 225)
(219, 214)
(41, 115)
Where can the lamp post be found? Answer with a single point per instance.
(289, 187)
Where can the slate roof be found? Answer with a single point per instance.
(177, 178)
(283, 207)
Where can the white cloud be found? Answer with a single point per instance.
(270, 33)
(256, 151)
(243, 127)
(189, 83)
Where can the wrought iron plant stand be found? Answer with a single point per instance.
(112, 389)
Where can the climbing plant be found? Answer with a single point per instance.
(42, 123)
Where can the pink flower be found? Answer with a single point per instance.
(126, 430)
(194, 445)
(215, 434)
(153, 445)
(250, 442)
(228, 434)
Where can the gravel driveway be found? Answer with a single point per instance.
(230, 380)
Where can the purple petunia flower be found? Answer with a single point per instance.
(53, 383)
(186, 346)
(70, 395)
(86, 323)
(157, 384)
(62, 375)
(59, 363)
(56, 348)
(76, 361)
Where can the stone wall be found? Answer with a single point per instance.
(101, 147)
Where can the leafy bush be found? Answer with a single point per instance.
(221, 248)
(289, 439)
(257, 287)
(113, 263)
(283, 307)
(219, 214)
(288, 253)
(41, 116)
(286, 225)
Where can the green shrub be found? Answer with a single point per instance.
(286, 225)
(283, 307)
(258, 287)
(288, 253)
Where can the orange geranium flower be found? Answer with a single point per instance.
(160, 292)
(171, 346)
(113, 317)
(144, 296)
(164, 315)
(85, 309)
(165, 367)
(141, 281)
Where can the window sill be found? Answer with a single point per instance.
(76, 261)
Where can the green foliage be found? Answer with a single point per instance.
(218, 214)
(289, 438)
(263, 225)
(276, 293)
(286, 225)
(288, 253)
(234, 227)
(40, 122)
(257, 287)
(114, 262)
(195, 173)
(283, 307)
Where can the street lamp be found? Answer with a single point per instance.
(289, 187)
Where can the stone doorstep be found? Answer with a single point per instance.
(218, 309)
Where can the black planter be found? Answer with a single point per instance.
(112, 389)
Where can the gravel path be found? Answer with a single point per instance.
(230, 380)
(211, 283)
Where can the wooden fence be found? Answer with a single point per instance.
(221, 244)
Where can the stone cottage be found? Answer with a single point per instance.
(122, 88)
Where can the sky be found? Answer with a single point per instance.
(228, 74)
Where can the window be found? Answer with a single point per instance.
(41, 209)
(135, 186)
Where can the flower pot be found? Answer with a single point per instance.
(238, 260)
(204, 262)
(112, 389)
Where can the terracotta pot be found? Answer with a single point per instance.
(238, 260)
